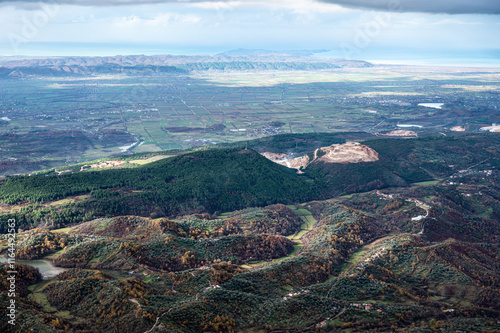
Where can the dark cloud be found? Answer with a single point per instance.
(425, 6)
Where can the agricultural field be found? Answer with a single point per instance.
(51, 121)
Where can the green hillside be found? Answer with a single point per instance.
(204, 181)
(364, 265)
(226, 179)
(405, 161)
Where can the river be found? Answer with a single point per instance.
(44, 266)
(432, 105)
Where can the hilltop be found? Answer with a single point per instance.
(203, 241)
(350, 152)
(225, 179)
(203, 181)
(352, 269)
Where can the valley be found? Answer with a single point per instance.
(98, 105)
(249, 192)
(227, 166)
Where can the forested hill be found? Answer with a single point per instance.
(210, 180)
(405, 161)
(227, 179)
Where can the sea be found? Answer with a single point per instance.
(424, 57)
(396, 56)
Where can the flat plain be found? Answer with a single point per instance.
(49, 121)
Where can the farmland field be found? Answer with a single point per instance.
(51, 121)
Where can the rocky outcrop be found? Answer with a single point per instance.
(400, 134)
(350, 152)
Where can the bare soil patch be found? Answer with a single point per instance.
(350, 152)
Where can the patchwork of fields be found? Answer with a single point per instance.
(173, 111)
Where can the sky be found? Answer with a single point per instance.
(384, 30)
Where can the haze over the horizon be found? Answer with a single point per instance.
(464, 32)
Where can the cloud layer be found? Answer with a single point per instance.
(424, 6)
(101, 3)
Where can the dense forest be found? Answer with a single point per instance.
(226, 179)
(406, 161)
(203, 242)
(203, 181)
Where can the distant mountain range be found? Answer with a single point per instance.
(236, 60)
